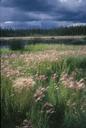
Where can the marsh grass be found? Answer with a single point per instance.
(13, 104)
(40, 47)
(53, 105)
(51, 102)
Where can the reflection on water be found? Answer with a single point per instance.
(9, 43)
(22, 43)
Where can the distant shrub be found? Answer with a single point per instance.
(78, 41)
(17, 45)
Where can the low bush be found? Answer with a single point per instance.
(17, 45)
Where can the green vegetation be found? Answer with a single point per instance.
(17, 45)
(49, 93)
(38, 47)
(78, 30)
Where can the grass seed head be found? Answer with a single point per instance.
(23, 83)
(39, 94)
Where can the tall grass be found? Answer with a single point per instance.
(14, 105)
(19, 46)
(49, 104)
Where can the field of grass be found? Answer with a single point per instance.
(43, 86)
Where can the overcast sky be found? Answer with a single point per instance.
(41, 13)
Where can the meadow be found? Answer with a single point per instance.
(43, 86)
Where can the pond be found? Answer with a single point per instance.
(20, 43)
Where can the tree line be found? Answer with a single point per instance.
(77, 30)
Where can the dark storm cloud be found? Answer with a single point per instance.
(27, 5)
(43, 10)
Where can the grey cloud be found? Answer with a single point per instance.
(43, 10)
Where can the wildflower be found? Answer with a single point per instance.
(70, 82)
(73, 84)
(71, 78)
(81, 84)
(39, 95)
(40, 77)
(54, 76)
(64, 77)
(48, 107)
(82, 80)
